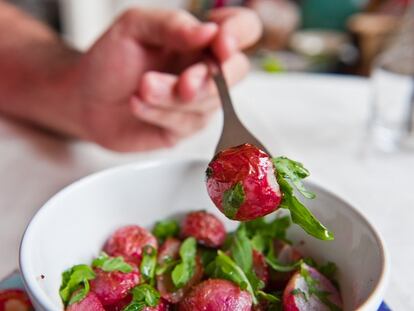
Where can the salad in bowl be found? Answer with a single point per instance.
(242, 232)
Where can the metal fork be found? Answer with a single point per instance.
(233, 133)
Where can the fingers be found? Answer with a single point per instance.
(179, 123)
(189, 91)
(173, 29)
(143, 137)
(239, 28)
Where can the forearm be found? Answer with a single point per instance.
(35, 75)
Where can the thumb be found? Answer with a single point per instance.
(173, 29)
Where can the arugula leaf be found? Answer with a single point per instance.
(259, 243)
(110, 264)
(207, 255)
(167, 264)
(184, 271)
(313, 289)
(135, 306)
(143, 296)
(224, 267)
(276, 265)
(328, 269)
(268, 297)
(300, 214)
(165, 229)
(241, 250)
(295, 172)
(298, 292)
(261, 230)
(80, 293)
(233, 198)
(75, 279)
(209, 172)
(148, 264)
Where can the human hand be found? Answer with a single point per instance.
(143, 84)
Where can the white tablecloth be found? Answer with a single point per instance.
(319, 120)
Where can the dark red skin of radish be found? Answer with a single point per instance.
(297, 302)
(128, 242)
(251, 167)
(216, 295)
(206, 228)
(90, 303)
(165, 286)
(112, 287)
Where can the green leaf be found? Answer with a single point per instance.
(75, 279)
(267, 297)
(278, 228)
(262, 230)
(233, 198)
(165, 229)
(188, 249)
(276, 265)
(300, 214)
(328, 269)
(143, 296)
(226, 268)
(135, 306)
(148, 264)
(80, 293)
(259, 243)
(207, 255)
(184, 271)
(209, 172)
(295, 172)
(241, 250)
(167, 265)
(299, 292)
(110, 264)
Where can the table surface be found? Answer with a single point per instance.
(317, 119)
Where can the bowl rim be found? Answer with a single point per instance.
(41, 299)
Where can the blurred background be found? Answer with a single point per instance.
(300, 35)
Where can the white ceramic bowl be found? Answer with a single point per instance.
(73, 225)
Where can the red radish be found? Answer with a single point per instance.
(206, 228)
(162, 305)
(128, 242)
(169, 249)
(242, 184)
(14, 299)
(260, 266)
(120, 305)
(298, 297)
(112, 287)
(287, 255)
(216, 295)
(90, 303)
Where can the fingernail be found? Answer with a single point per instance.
(210, 26)
(198, 78)
(159, 90)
